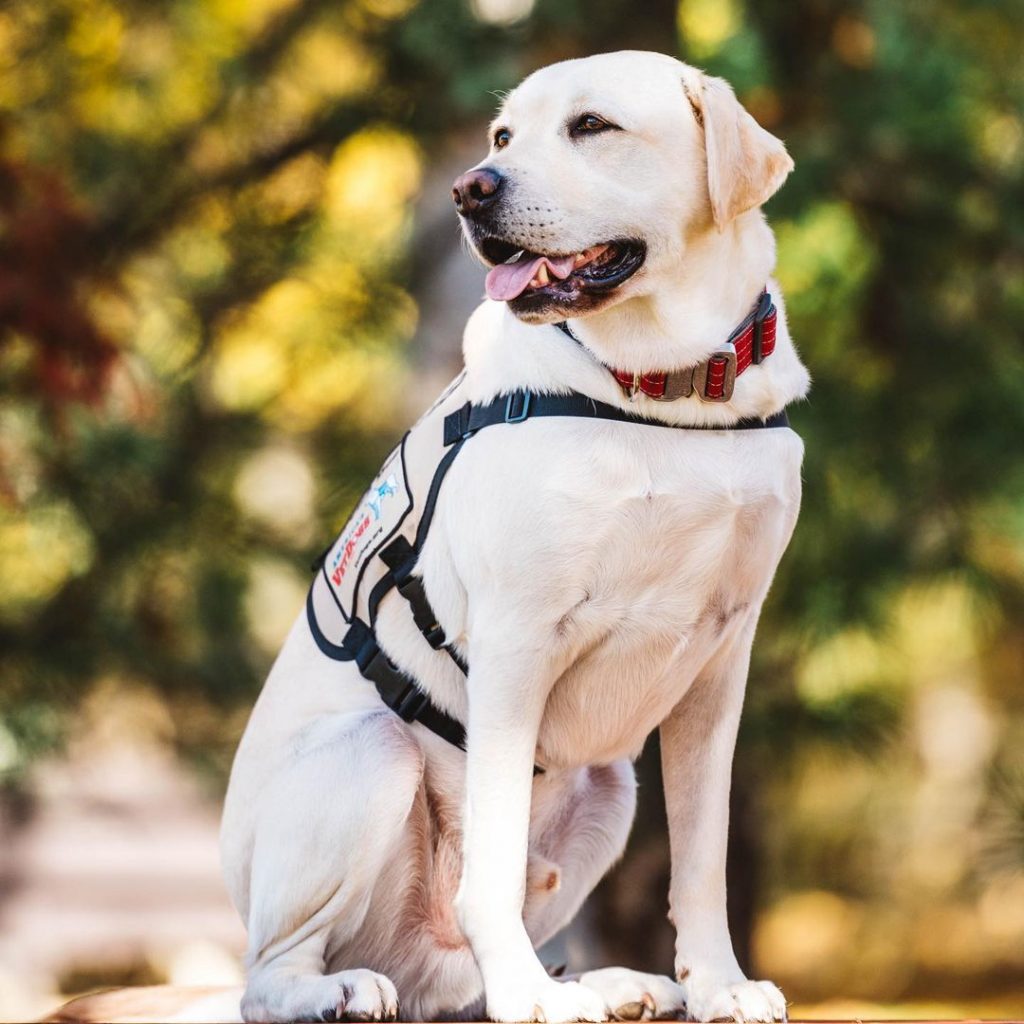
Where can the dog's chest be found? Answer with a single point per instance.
(636, 552)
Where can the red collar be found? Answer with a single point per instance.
(714, 379)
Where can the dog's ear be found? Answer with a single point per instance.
(746, 164)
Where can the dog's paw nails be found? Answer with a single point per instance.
(631, 995)
(740, 1003)
(549, 1002)
(364, 998)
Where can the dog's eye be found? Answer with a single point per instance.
(502, 137)
(590, 124)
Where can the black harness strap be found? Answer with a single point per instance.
(520, 406)
(398, 690)
(400, 557)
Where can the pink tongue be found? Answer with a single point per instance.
(509, 280)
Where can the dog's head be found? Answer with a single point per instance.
(601, 171)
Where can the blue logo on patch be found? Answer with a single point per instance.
(387, 489)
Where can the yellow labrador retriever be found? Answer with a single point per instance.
(602, 579)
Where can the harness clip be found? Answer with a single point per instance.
(411, 703)
(517, 417)
(435, 636)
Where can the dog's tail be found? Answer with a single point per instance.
(172, 1004)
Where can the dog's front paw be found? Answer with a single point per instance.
(630, 995)
(362, 996)
(709, 999)
(547, 1002)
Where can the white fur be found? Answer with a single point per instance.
(603, 579)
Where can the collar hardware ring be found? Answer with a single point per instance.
(715, 379)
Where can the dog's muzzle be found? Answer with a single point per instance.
(476, 191)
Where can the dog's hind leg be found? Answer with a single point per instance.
(582, 844)
(586, 836)
(327, 824)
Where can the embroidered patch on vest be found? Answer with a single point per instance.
(375, 521)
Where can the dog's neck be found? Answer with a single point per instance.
(683, 319)
(679, 324)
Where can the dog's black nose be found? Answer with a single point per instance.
(476, 190)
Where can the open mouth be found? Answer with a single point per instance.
(530, 278)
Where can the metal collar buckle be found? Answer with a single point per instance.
(678, 384)
(724, 354)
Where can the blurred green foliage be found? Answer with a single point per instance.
(206, 210)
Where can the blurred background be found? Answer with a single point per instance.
(224, 223)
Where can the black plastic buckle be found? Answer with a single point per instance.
(517, 417)
(396, 689)
(435, 636)
(411, 703)
(763, 311)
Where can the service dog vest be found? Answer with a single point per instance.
(378, 548)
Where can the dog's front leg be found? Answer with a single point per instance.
(697, 744)
(508, 688)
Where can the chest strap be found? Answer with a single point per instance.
(398, 689)
(520, 406)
